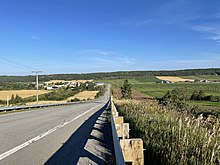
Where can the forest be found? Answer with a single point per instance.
(112, 75)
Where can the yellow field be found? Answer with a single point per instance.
(84, 95)
(174, 79)
(21, 93)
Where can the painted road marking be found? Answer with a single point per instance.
(21, 146)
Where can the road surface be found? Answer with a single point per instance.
(72, 134)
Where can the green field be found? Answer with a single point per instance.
(205, 77)
(149, 87)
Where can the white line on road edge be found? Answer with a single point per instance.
(21, 146)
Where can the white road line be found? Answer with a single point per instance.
(21, 146)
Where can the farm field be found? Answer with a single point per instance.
(149, 87)
(85, 95)
(21, 93)
(174, 79)
(204, 77)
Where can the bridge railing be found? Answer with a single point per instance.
(126, 150)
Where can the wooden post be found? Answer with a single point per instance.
(132, 150)
(123, 130)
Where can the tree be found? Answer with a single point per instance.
(198, 95)
(126, 90)
(177, 98)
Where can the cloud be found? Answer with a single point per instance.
(106, 60)
(212, 62)
(34, 37)
(212, 32)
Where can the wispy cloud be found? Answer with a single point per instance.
(34, 37)
(183, 14)
(211, 32)
(107, 60)
(186, 64)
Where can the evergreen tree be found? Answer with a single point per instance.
(126, 90)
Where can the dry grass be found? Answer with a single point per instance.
(174, 79)
(21, 93)
(170, 137)
(85, 95)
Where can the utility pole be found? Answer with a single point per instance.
(7, 100)
(36, 72)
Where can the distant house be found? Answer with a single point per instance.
(52, 88)
(100, 84)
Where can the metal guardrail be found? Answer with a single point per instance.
(13, 108)
(118, 152)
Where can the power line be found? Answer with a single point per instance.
(10, 62)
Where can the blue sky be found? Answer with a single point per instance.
(81, 36)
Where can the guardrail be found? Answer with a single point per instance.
(13, 108)
(126, 150)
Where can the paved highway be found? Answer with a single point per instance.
(55, 135)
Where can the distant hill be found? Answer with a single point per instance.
(116, 75)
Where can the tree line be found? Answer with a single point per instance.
(112, 75)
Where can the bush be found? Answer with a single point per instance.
(176, 98)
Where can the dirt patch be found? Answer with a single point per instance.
(85, 95)
(21, 93)
(174, 79)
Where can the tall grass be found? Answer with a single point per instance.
(171, 137)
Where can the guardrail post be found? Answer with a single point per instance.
(132, 150)
(123, 130)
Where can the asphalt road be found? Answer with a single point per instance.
(55, 135)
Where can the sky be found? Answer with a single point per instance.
(84, 36)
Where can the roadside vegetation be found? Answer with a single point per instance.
(171, 136)
(175, 129)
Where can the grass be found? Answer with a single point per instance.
(204, 77)
(158, 90)
(204, 103)
(171, 137)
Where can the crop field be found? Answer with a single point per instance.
(149, 87)
(174, 79)
(205, 77)
(158, 90)
(85, 95)
(21, 93)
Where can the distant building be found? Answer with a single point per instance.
(100, 84)
(52, 88)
